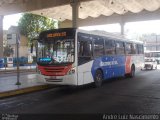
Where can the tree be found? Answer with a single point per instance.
(8, 51)
(30, 25)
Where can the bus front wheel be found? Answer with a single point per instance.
(98, 78)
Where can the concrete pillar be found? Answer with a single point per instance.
(65, 24)
(75, 7)
(1, 36)
(122, 27)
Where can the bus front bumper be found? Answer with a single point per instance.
(61, 80)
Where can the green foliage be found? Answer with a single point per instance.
(31, 25)
(8, 51)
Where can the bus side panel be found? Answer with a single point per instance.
(112, 66)
(103, 64)
(137, 60)
(84, 73)
(119, 68)
(128, 64)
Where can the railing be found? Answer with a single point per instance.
(13, 67)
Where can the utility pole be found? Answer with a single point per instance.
(17, 44)
(156, 42)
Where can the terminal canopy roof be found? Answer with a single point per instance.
(61, 9)
(95, 8)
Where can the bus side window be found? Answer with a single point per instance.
(128, 48)
(109, 47)
(98, 47)
(85, 48)
(133, 48)
(80, 48)
(140, 49)
(119, 48)
(137, 51)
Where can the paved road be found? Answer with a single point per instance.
(120, 95)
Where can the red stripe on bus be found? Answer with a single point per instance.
(54, 70)
(127, 65)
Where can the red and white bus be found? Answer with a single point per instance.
(71, 56)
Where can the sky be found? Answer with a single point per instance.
(139, 27)
(131, 29)
(10, 20)
(142, 27)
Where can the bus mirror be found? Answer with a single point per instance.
(32, 48)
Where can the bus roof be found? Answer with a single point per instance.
(109, 35)
(95, 32)
(152, 51)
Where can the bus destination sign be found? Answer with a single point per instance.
(57, 34)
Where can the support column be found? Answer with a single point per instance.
(1, 36)
(75, 7)
(65, 24)
(122, 27)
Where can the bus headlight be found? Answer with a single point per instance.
(71, 71)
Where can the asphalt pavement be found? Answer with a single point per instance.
(120, 95)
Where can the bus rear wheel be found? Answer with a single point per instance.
(152, 67)
(98, 78)
(132, 73)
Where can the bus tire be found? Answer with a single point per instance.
(156, 68)
(152, 67)
(98, 78)
(132, 73)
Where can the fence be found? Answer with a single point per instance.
(13, 67)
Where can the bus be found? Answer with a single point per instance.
(153, 54)
(71, 56)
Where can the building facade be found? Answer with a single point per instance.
(151, 42)
(23, 47)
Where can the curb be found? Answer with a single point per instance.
(23, 90)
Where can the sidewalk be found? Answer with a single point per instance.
(29, 83)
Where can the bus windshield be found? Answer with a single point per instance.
(56, 51)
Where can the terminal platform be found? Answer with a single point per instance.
(29, 83)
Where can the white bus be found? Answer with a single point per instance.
(153, 54)
(71, 56)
